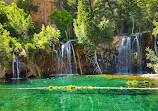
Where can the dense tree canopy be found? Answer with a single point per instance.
(5, 50)
(24, 4)
(17, 33)
(90, 29)
(82, 24)
(63, 21)
(125, 14)
(46, 37)
(18, 23)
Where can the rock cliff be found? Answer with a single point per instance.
(41, 10)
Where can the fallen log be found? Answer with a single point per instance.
(65, 87)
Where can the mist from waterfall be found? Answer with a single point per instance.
(130, 56)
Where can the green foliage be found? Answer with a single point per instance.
(17, 34)
(153, 59)
(70, 6)
(84, 12)
(19, 24)
(155, 30)
(132, 82)
(150, 11)
(63, 21)
(30, 50)
(5, 50)
(23, 41)
(150, 8)
(125, 15)
(82, 24)
(102, 32)
(142, 84)
(89, 29)
(3, 17)
(21, 29)
(46, 37)
(24, 4)
(133, 17)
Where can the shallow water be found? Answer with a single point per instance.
(75, 100)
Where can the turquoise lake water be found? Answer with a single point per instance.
(75, 100)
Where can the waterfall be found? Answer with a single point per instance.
(124, 58)
(74, 57)
(54, 56)
(139, 55)
(66, 58)
(16, 68)
(129, 57)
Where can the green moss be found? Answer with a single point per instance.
(2, 81)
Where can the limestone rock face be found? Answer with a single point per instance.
(5, 71)
(43, 8)
(29, 70)
(46, 64)
(2, 72)
(34, 71)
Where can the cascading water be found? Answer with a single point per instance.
(66, 58)
(139, 55)
(74, 57)
(16, 70)
(129, 58)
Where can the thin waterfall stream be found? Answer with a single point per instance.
(155, 46)
(15, 68)
(130, 55)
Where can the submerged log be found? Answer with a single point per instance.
(65, 87)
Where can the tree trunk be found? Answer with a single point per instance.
(117, 29)
(133, 26)
(79, 63)
(140, 28)
(116, 25)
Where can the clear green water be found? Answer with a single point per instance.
(75, 100)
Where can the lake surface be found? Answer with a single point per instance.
(77, 99)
